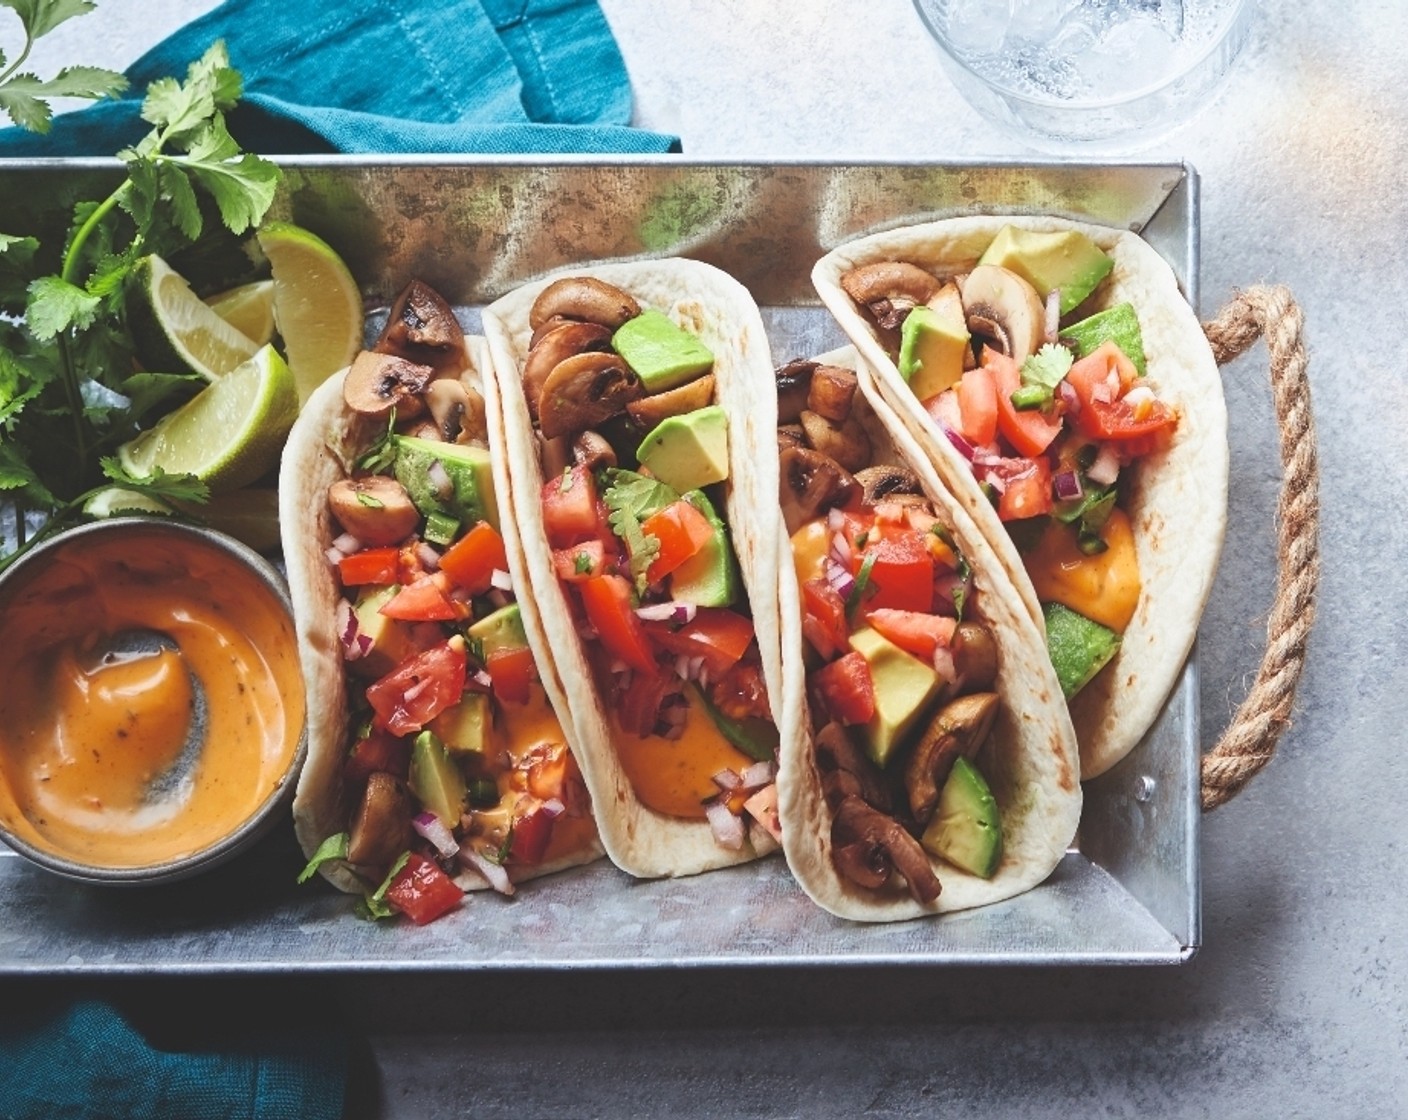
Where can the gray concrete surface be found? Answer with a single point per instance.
(1296, 1005)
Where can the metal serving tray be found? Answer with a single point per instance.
(1127, 893)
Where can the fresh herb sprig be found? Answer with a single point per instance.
(68, 395)
(23, 96)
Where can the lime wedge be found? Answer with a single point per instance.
(175, 329)
(317, 304)
(249, 309)
(229, 433)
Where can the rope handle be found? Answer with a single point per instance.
(1250, 738)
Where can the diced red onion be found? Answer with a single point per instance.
(671, 720)
(333, 556)
(673, 611)
(1053, 316)
(1139, 396)
(727, 780)
(696, 667)
(553, 807)
(430, 827)
(996, 481)
(840, 578)
(347, 544)
(1106, 467)
(727, 828)
(1101, 392)
(1067, 487)
(963, 447)
(501, 579)
(944, 664)
(439, 479)
(460, 594)
(758, 775)
(836, 520)
(1069, 397)
(354, 643)
(416, 689)
(841, 548)
(498, 598)
(429, 558)
(482, 679)
(682, 667)
(493, 873)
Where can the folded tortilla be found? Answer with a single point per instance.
(324, 443)
(1029, 759)
(1177, 502)
(719, 310)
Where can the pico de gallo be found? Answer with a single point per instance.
(635, 454)
(457, 768)
(901, 670)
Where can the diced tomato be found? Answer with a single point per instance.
(1029, 431)
(1116, 422)
(422, 601)
(410, 567)
(902, 575)
(579, 561)
(824, 622)
(845, 687)
(422, 891)
(419, 688)
(379, 751)
(569, 507)
(1132, 447)
(532, 832)
(472, 559)
(512, 670)
(718, 635)
(741, 693)
(551, 767)
(977, 405)
(945, 409)
(371, 565)
(1027, 493)
(681, 530)
(1105, 366)
(607, 600)
(916, 632)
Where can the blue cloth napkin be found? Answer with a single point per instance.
(367, 76)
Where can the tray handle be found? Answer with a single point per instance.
(1250, 738)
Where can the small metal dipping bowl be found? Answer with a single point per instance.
(51, 592)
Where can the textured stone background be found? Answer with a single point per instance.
(1296, 1004)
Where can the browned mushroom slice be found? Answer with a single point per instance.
(555, 455)
(794, 381)
(889, 289)
(376, 383)
(958, 728)
(583, 298)
(649, 411)
(457, 410)
(591, 450)
(583, 391)
(846, 443)
(554, 348)
(790, 435)
(886, 483)
(381, 829)
(974, 656)
(547, 327)
(837, 753)
(1004, 311)
(375, 509)
(866, 845)
(832, 390)
(421, 317)
(810, 484)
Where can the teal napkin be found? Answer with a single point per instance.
(368, 76)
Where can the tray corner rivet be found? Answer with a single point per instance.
(1144, 788)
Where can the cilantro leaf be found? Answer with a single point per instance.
(631, 498)
(1047, 366)
(20, 383)
(55, 305)
(22, 95)
(334, 847)
(40, 17)
(158, 484)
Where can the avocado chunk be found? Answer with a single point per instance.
(757, 738)
(468, 726)
(689, 451)
(932, 346)
(709, 578)
(1065, 259)
(390, 637)
(1079, 647)
(471, 497)
(436, 780)
(967, 828)
(663, 354)
(1118, 324)
(904, 685)
(501, 630)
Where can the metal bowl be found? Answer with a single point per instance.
(64, 620)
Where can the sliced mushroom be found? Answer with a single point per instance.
(583, 391)
(376, 383)
(866, 845)
(794, 382)
(836, 753)
(554, 348)
(890, 289)
(375, 509)
(1004, 311)
(974, 655)
(458, 410)
(591, 450)
(846, 443)
(649, 411)
(810, 483)
(421, 317)
(885, 483)
(790, 435)
(583, 298)
(421, 427)
(547, 327)
(381, 828)
(554, 454)
(831, 392)
(958, 728)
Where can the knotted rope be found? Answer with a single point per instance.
(1250, 739)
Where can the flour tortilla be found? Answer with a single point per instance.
(720, 311)
(1178, 502)
(324, 442)
(1030, 757)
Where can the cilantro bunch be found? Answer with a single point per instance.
(69, 394)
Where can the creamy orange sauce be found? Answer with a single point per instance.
(526, 726)
(675, 776)
(1104, 587)
(152, 699)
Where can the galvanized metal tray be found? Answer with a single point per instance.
(1128, 892)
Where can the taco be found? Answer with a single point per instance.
(1063, 388)
(436, 763)
(628, 398)
(937, 769)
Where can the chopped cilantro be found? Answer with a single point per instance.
(582, 564)
(853, 600)
(334, 847)
(632, 498)
(1041, 373)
